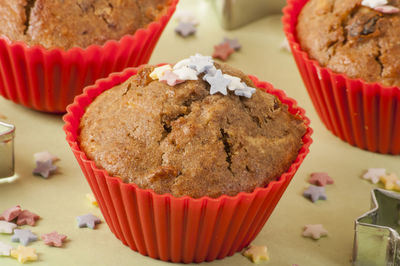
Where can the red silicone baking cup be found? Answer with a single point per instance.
(180, 229)
(366, 115)
(49, 79)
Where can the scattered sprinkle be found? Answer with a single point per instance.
(186, 16)
(170, 78)
(54, 239)
(88, 220)
(374, 3)
(235, 83)
(256, 253)
(233, 43)
(6, 227)
(387, 9)
(315, 231)
(373, 174)
(320, 179)
(285, 45)
(391, 181)
(27, 217)
(44, 156)
(5, 249)
(158, 72)
(44, 169)
(222, 51)
(217, 82)
(200, 63)
(315, 193)
(186, 73)
(11, 213)
(185, 29)
(24, 254)
(24, 236)
(92, 199)
(246, 92)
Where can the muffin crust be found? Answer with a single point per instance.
(184, 141)
(353, 39)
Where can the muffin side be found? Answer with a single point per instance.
(184, 141)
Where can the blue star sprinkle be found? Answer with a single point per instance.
(88, 220)
(246, 91)
(217, 82)
(23, 236)
(315, 193)
(185, 29)
(44, 169)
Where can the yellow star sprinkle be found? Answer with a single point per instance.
(158, 72)
(24, 254)
(256, 253)
(92, 199)
(390, 181)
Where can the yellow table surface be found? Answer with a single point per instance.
(61, 198)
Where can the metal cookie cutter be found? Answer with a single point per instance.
(377, 239)
(7, 133)
(236, 13)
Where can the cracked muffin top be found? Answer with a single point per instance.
(350, 38)
(65, 24)
(184, 141)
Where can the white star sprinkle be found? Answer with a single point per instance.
(201, 63)
(5, 249)
(235, 83)
(6, 227)
(246, 92)
(374, 174)
(186, 73)
(158, 72)
(374, 3)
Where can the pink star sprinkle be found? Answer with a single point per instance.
(320, 179)
(27, 217)
(11, 213)
(170, 78)
(387, 9)
(54, 239)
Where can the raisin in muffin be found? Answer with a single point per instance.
(65, 24)
(183, 141)
(350, 38)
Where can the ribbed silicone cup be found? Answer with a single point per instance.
(179, 229)
(49, 79)
(366, 115)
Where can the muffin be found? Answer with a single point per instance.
(183, 141)
(345, 52)
(79, 23)
(350, 38)
(50, 50)
(186, 229)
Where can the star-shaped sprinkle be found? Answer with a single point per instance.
(54, 239)
(186, 16)
(235, 83)
(23, 236)
(320, 179)
(92, 199)
(217, 82)
(315, 193)
(186, 73)
(315, 231)
(233, 43)
(185, 29)
(5, 249)
(373, 3)
(387, 9)
(246, 92)
(11, 213)
(88, 220)
(27, 217)
(6, 227)
(201, 63)
(44, 169)
(285, 45)
(24, 254)
(373, 174)
(181, 64)
(158, 72)
(45, 156)
(170, 78)
(256, 253)
(390, 181)
(222, 51)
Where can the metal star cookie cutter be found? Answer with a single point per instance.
(7, 133)
(377, 239)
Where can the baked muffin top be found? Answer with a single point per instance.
(65, 24)
(183, 141)
(353, 38)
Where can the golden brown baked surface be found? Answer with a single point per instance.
(184, 141)
(69, 23)
(352, 39)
